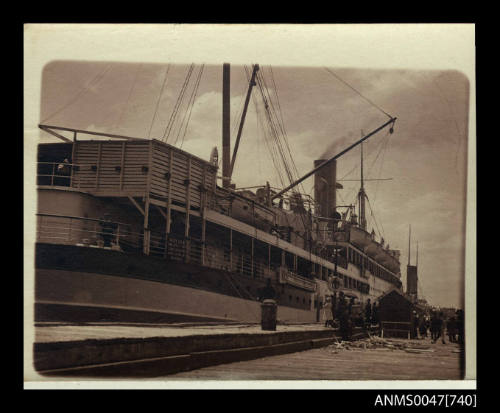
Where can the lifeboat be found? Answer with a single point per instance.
(360, 237)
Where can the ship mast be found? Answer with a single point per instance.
(226, 126)
(243, 115)
(416, 264)
(409, 244)
(362, 195)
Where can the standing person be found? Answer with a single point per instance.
(437, 326)
(375, 319)
(351, 303)
(107, 228)
(368, 312)
(334, 306)
(63, 172)
(327, 310)
(442, 327)
(268, 292)
(423, 327)
(414, 325)
(434, 326)
(450, 327)
(460, 326)
(343, 314)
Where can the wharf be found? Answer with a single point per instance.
(440, 362)
(135, 350)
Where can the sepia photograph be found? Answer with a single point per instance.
(246, 218)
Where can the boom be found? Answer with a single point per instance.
(307, 175)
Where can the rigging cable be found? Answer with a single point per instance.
(381, 233)
(382, 146)
(283, 128)
(94, 82)
(171, 121)
(159, 98)
(240, 108)
(282, 143)
(191, 105)
(282, 139)
(381, 166)
(273, 128)
(270, 147)
(277, 98)
(359, 93)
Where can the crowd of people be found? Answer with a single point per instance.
(439, 326)
(345, 314)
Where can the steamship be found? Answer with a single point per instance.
(137, 230)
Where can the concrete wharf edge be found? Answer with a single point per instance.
(156, 356)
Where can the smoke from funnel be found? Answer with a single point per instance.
(338, 145)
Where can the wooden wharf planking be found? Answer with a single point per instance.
(325, 364)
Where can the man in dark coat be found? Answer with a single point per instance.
(107, 230)
(451, 329)
(375, 313)
(268, 292)
(423, 327)
(442, 327)
(351, 303)
(437, 327)
(343, 314)
(415, 323)
(460, 326)
(334, 306)
(434, 326)
(368, 312)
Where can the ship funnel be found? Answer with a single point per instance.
(325, 183)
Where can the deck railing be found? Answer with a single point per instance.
(55, 173)
(69, 230)
(99, 233)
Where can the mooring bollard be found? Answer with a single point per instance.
(269, 315)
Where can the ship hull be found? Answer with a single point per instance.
(95, 285)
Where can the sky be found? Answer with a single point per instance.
(425, 157)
